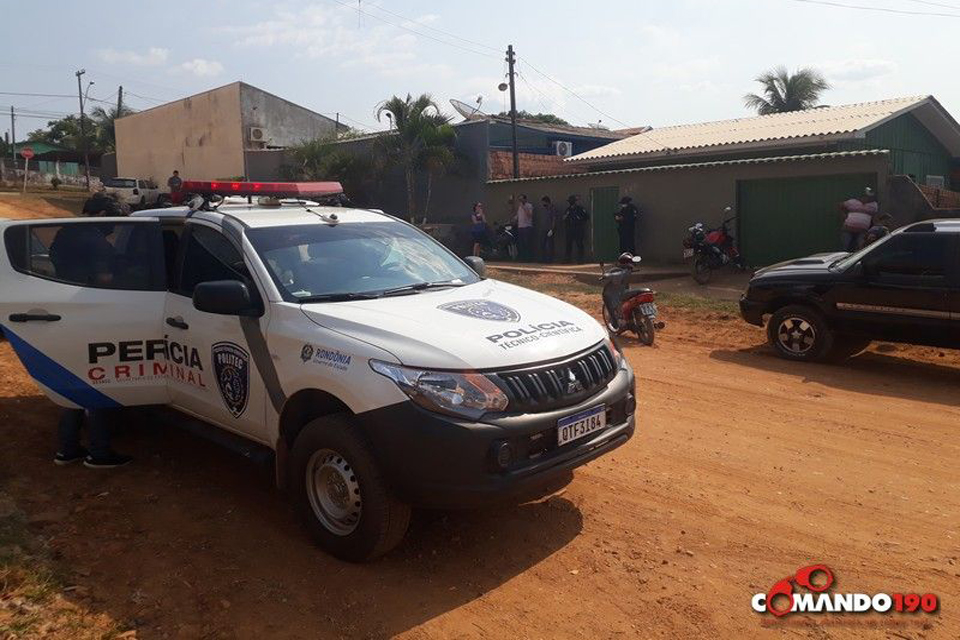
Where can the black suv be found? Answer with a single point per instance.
(902, 288)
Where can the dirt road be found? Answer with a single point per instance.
(744, 468)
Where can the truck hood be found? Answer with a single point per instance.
(485, 325)
(816, 263)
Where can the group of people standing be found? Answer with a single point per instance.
(573, 219)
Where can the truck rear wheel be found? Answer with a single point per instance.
(340, 495)
(798, 332)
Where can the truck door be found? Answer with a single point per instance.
(82, 305)
(900, 290)
(219, 378)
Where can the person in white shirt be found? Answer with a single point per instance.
(858, 215)
(525, 229)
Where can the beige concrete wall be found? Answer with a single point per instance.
(200, 136)
(671, 200)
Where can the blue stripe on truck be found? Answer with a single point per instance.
(56, 377)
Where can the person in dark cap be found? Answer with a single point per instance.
(575, 225)
(626, 217)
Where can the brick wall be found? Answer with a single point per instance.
(531, 165)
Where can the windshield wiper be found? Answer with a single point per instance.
(421, 286)
(337, 297)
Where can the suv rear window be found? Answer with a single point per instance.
(102, 255)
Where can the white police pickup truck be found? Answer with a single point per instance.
(381, 370)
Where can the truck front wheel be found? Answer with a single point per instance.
(340, 495)
(799, 332)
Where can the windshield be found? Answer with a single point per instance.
(120, 183)
(317, 260)
(848, 261)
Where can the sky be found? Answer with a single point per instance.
(617, 63)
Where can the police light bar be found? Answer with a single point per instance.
(274, 189)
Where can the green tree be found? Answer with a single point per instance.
(65, 133)
(438, 155)
(323, 159)
(105, 131)
(783, 91)
(543, 118)
(418, 134)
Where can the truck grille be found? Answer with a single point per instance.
(559, 384)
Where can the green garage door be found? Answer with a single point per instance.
(784, 218)
(603, 205)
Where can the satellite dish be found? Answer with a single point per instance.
(469, 112)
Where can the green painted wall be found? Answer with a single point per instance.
(913, 149)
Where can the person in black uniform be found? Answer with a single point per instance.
(575, 225)
(626, 218)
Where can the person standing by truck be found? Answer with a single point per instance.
(174, 182)
(626, 217)
(575, 224)
(858, 214)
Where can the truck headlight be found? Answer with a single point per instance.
(614, 351)
(462, 394)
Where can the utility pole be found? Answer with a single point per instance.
(83, 128)
(13, 140)
(336, 128)
(119, 101)
(511, 59)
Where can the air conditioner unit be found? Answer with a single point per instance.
(563, 148)
(258, 134)
(937, 182)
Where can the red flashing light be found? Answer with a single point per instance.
(276, 189)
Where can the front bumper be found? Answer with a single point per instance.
(751, 310)
(438, 461)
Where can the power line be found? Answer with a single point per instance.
(536, 90)
(575, 94)
(828, 3)
(451, 35)
(936, 4)
(446, 33)
(414, 31)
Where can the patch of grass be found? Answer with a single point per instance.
(697, 303)
(30, 588)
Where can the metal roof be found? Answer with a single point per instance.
(811, 126)
(717, 163)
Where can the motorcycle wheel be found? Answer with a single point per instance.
(608, 322)
(643, 325)
(702, 269)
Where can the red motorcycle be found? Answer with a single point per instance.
(711, 249)
(625, 308)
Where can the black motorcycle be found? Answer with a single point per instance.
(711, 249)
(504, 246)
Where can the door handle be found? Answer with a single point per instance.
(34, 317)
(178, 323)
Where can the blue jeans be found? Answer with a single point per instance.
(851, 240)
(98, 433)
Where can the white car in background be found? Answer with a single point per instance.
(135, 192)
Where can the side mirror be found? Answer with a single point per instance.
(224, 297)
(477, 264)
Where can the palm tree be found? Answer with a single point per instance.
(416, 124)
(438, 155)
(103, 120)
(783, 91)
